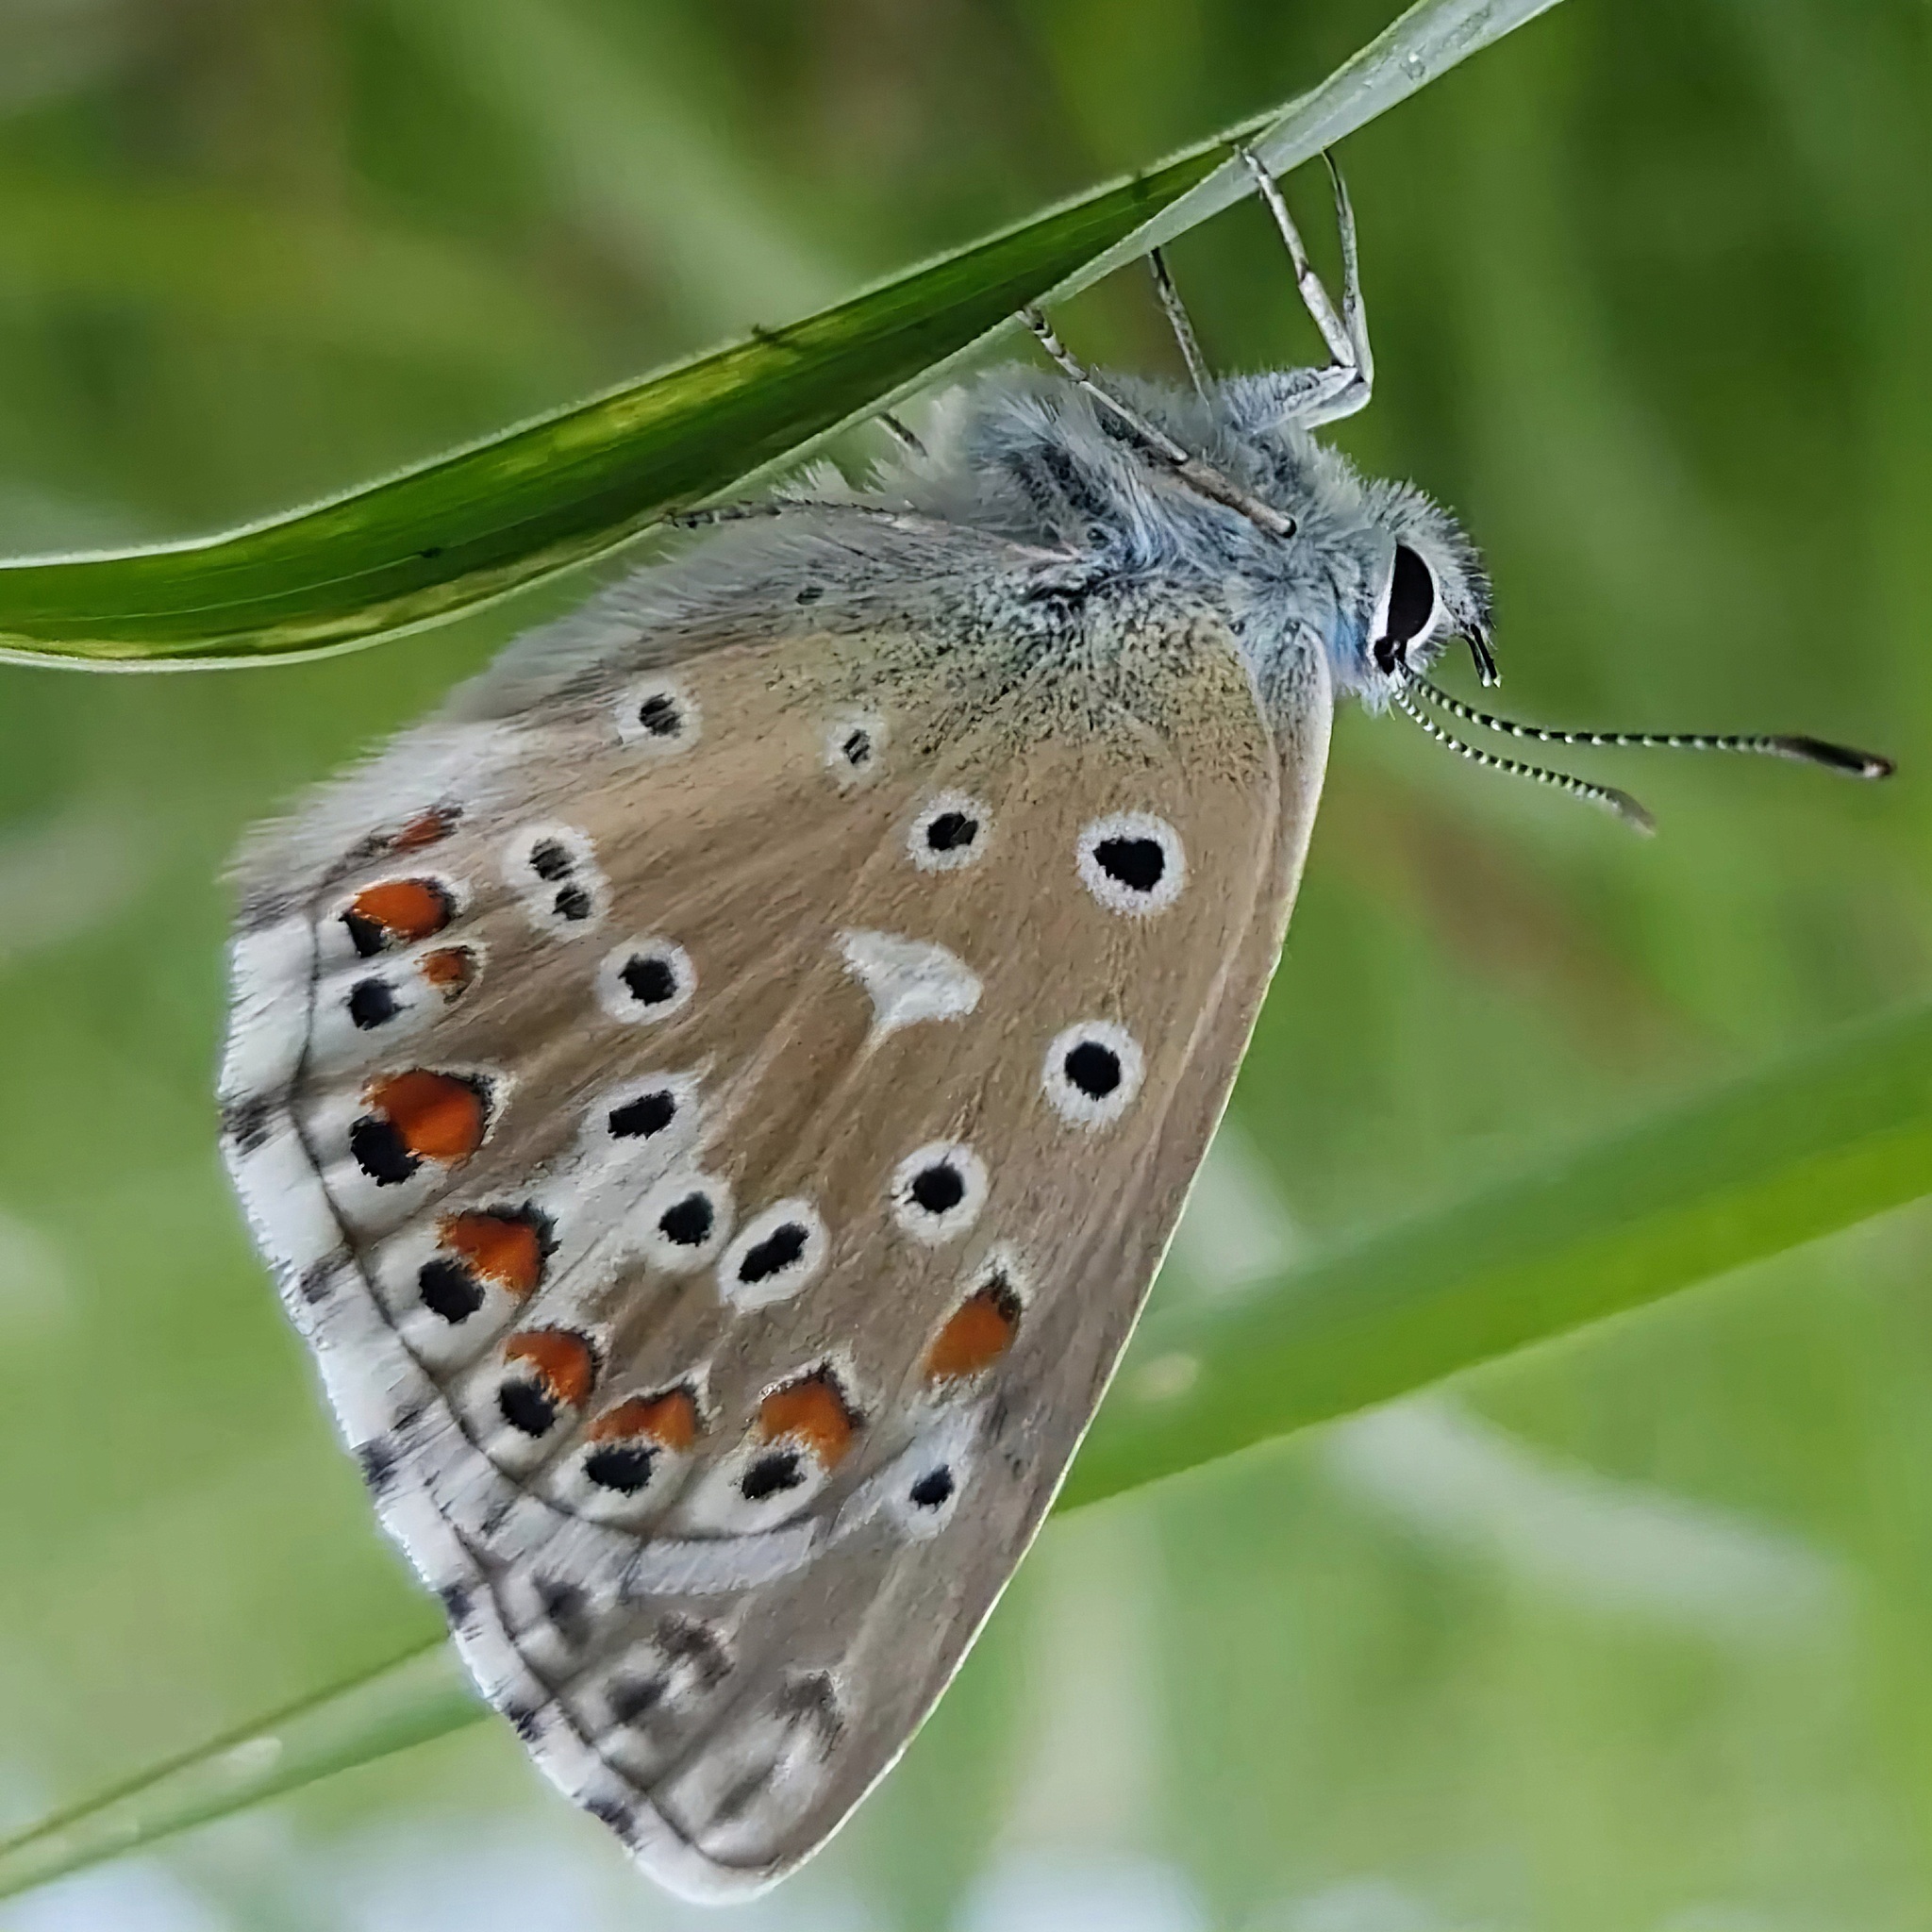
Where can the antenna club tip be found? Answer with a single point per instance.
(1839, 758)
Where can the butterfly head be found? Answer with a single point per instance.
(1428, 588)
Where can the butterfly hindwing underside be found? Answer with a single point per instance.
(715, 1100)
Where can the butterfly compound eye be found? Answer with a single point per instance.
(1411, 607)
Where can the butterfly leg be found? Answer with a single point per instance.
(715, 515)
(788, 505)
(1202, 478)
(1175, 311)
(1322, 396)
(900, 434)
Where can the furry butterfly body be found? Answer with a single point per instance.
(716, 1096)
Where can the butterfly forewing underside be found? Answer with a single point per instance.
(717, 1128)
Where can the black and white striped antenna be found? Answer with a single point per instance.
(1809, 751)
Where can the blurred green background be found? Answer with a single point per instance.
(1631, 1632)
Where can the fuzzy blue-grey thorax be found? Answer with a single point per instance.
(1029, 455)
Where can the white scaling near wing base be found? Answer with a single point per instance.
(909, 980)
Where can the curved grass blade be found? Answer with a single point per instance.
(420, 1696)
(481, 522)
(1799, 1151)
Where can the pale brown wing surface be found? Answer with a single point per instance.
(718, 1133)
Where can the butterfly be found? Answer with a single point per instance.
(715, 1096)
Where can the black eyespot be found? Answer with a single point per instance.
(809, 594)
(686, 1222)
(938, 1187)
(372, 1002)
(649, 978)
(658, 714)
(525, 1408)
(1412, 598)
(1136, 863)
(449, 1290)
(771, 1475)
(951, 831)
(572, 903)
(932, 1488)
(550, 861)
(381, 1152)
(856, 748)
(777, 1251)
(648, 1114)
(1095, 1070)
(625, 1467)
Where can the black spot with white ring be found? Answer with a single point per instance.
(623, 1467)
(525, 1408)
(550, 861)
(372, 1003)
(852, 745)
(659, 716)
(681, 1224)
(645, 1116)
(933, 1490)
(647, 979)
(1132, 862)
(772, 1256)
(1093, 1069)
(449, 1290)
(951, 832)
(689, 1221)
(771, 1475)
(553, 869)
(938, 1190)
(1092, 1073)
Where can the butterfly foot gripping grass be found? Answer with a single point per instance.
(716, 1094)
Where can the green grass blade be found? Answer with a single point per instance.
(1805, 1148)
(483, 520)
(417, 1697)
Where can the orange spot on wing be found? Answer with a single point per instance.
(436, 1116)
(450, 970)
(670, 1419)
(496, 1247)
(562, 1362)
(812, 1412)
(398, 911)
(427, 830)
(976, 1334)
